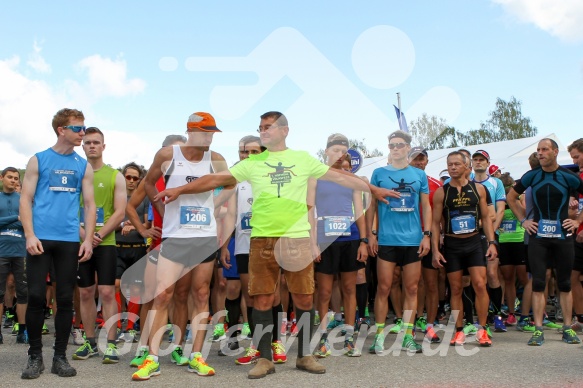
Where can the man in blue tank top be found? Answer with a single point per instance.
(49, 211)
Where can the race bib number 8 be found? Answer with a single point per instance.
(463, 224)
(337, 226)
(549, 229)
(63, 180)
(194, 217)
(246, 222)
(405, 203)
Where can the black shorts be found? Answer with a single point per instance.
(399, 255)
(242, 263)
(578, 263)
(463, 253)
(189, 251)
(103, 262)
(545, 252)
(427, 261)
(512, 253)
(153, 256)
(340, 256)
(16, 266)
(128, 255)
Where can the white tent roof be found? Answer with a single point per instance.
(511, 156)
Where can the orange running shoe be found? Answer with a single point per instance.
(483, 338)
(458, 339)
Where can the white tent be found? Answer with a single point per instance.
(511, 156)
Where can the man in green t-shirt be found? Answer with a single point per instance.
(280, 231)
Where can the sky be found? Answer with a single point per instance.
(138, 69)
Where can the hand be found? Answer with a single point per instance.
(571, 225)
(380, 194)
(530, 226)
(226, 258)
(127, 229)
(316, 254)
(127, 222)
(438, 259)
(424, 247)
(96, 240)
(373, 245)
(167, 195)
(86, 250)
(362, 253)
(573, 204)
(492, 252)
(155, 232)
(34, 246)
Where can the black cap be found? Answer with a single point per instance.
(415, 151)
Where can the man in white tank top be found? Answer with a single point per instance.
(189, 237)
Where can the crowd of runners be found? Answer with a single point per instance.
(280, 244)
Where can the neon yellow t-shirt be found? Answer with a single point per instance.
(280, 183)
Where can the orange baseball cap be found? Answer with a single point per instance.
(203, 121)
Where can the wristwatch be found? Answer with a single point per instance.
(364, 240)
(427, 233)
(493, 242)
(98, 235)
(374, 232)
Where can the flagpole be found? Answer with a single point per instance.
(399, 102)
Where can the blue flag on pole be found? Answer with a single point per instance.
(402, 121)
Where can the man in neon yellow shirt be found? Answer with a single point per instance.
(280, 231)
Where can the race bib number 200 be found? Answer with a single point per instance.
(549, 229)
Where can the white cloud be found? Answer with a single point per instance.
(36, 61)
(560, 18)
(109, 78)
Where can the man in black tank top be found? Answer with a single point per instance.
(462, 204)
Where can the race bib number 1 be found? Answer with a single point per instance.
(194, 217)
(246, 222)
(549, 229)
(405, 203)
(63, 180)
(463, 224)
(337, 226)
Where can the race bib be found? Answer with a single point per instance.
(11, 233)
(549, 229)
(405, 203)
(463, 224)
(337, 225)
(580, 204)
(246, 222)
(63, 180)
(508, 226)
(194, 217)
(99, 217)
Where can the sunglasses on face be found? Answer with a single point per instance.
(132, 178)
(76, 128)
(398, 146)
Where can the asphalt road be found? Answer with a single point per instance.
(509, 362)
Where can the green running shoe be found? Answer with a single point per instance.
(333, 324)
(551, 325)
(398, 327)
(246, 331)
(421, 324)
(199, 366)
(470, 329)
(140, 357)
(410, 345)
(378, 344)
(350, 349)
(218, 333)
(85, 351)
(111, 355)
(316, 319)
(323, 349)
(570, 337)
(14, 329)
(178, 358)
(537, 339)
(148, 369)
(45, 329)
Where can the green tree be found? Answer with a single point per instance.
(426, 129)
(354, 144)
(506, 121)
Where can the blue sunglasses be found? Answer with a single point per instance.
(76, 128)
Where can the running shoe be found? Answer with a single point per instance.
(316, 319)
(140, 357)
(129, 336)
(333, 324)
(218, 333)
(111, 355)
(378, 344)
(85, 351)
(470, 329)
(149, 368)
(45, 329)
(171, 336)
(431, 336)
(278, 352)
(22, 338)
(410, 345)
(397, 327)
(551, 325)
(251, 356)
(294, 331)
(458, 339)
(284, 330)
(511, 320)
(232, 344)
(570, 337)
(525, 325)
(499, 326)
(246, 331)
(8, 320)
(323, 349)
(576, 325)
(537, 339)
(77, 337)
(350, 348)
(483, 337)
(14, 329)
(421, 324)
(559, 313)
(199, 366)
(177, 357)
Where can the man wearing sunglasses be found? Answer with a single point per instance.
(109, 189)
(401, 239)
(49, 210)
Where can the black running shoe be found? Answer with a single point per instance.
(34, 367)
(62, 368)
